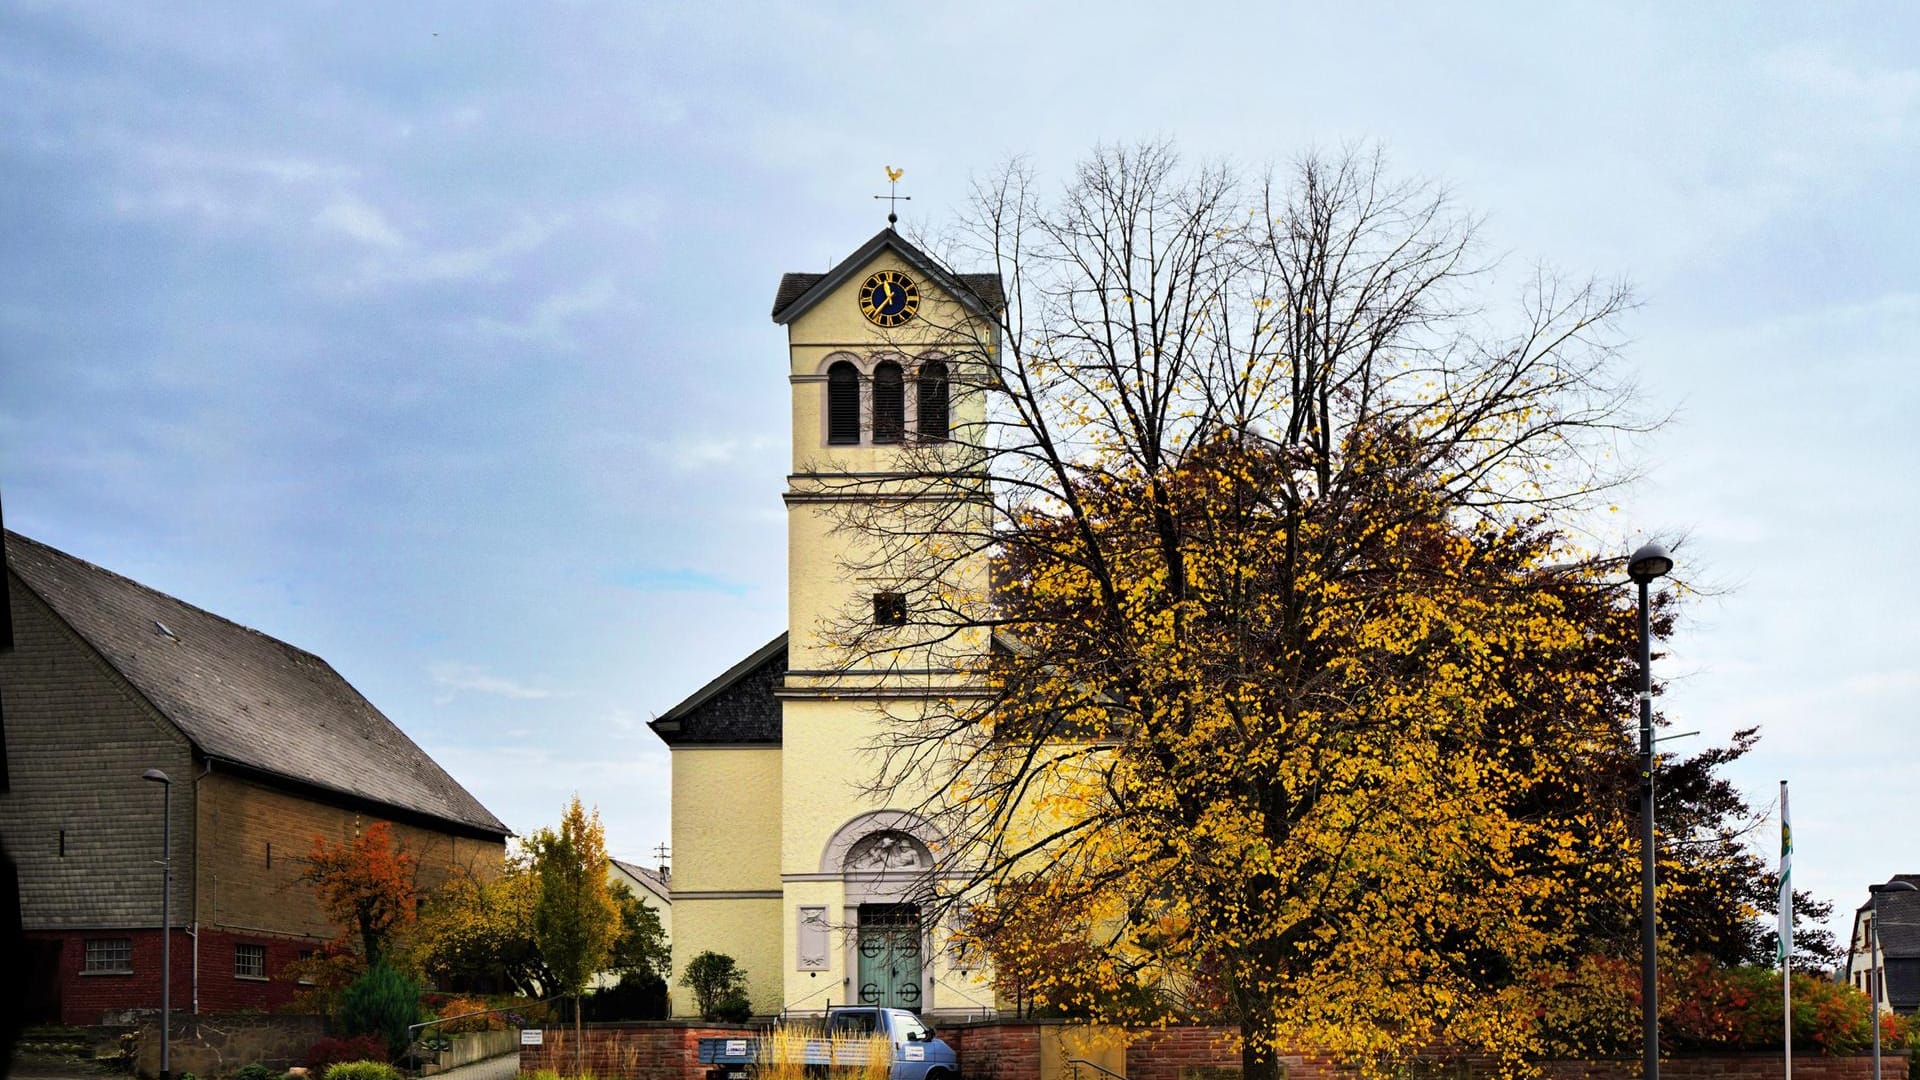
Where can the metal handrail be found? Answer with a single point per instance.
(1096, 1066)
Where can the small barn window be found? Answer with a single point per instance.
(249, 961)
(931, 387)
(843, 404)
(889, 609)
(107, 956)
(889, 403)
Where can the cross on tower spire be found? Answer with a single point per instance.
(893, 195)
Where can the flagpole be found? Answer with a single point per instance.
(1786, 930)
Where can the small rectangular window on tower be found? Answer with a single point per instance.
(889, 609)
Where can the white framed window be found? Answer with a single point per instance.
(249, 961)
(108, 956)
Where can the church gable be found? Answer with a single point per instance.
(738, 707)
(981, 293)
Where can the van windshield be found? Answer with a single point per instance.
(909, 1028)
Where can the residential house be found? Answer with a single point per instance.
(649, 886)
(265, 746)
(1899, 948)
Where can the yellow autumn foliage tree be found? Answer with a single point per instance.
(1293, 662)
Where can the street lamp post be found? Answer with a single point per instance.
(1875, 969)
(166, 919)
(1651, 561)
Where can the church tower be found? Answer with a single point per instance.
(785, 856)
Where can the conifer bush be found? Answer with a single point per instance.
(382, 1003)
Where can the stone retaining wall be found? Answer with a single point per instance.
(219, 1045)
(471, 1046)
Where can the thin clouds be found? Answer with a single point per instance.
(438, 328)
(704, 453)
(358, 220)
(455, 679)
(659, 579)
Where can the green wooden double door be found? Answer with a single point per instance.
(888, 943)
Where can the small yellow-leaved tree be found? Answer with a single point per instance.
(576, 919)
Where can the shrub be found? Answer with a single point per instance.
(1592, 1009)
(382, 1002)
(717, 982)
(734, 1009)
(639, 996)
(362, 1070)
(454, 1009)
(333, 1051)
(255, 1071)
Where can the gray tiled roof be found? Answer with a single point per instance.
(242, 697)
(649, 878)
(1900, 921)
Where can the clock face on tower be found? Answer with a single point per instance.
(889, 298)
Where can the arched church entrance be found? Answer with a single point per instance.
(886, 869)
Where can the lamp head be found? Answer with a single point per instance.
(1650, 562)
(156, 776)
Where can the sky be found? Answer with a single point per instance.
(433, 338)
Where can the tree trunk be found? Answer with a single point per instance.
(1256, 1062)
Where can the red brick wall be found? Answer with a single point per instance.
(662, 1050)
(1757, 1066)
(996, 1051)
(94, 998)
(669, 1050)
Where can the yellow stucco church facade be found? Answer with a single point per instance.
(785, 857)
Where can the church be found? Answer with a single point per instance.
(786, 857)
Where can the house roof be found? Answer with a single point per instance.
(1900, 920)
(241, 697)
(737, 706)
(649, 879)
(798, 292)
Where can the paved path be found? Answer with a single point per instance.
(504, 1067)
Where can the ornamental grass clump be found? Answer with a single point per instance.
(362, 1070)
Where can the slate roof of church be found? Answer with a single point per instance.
(798, 292)
(242, 697)
(737, 706)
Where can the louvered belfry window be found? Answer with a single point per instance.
(843, 403)
(932, 403)
(889, 403)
